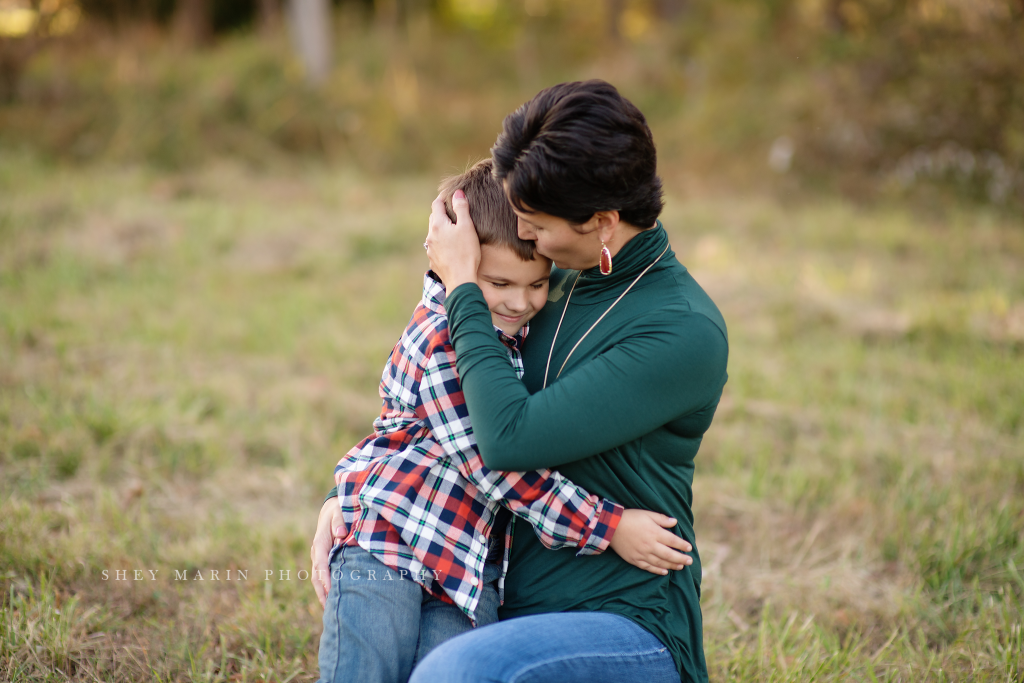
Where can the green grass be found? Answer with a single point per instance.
(183, 359)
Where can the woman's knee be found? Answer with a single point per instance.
(463, 659)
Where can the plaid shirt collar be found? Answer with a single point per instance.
(434, 295)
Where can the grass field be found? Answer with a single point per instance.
(183, 359)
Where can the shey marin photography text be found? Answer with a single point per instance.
(236, 574)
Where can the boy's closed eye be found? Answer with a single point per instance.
(537, 286)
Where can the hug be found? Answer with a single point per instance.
(528, 483)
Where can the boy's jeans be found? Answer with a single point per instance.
(376, 629)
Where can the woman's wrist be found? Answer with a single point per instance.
(457, 280)
(464, 301)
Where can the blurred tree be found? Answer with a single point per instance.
(311, 31)
(14, 55)
(190, 20)
(233, 15)
(923, 76)
(120, 12)
(193, 22)
(867, 89)
(670, 10)
(270, 15)
(834, 18)
(29, 26)
(390, 14)
(385, 13)
(613, 10)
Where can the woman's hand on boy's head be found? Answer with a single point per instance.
(453, 248)
(643, 539)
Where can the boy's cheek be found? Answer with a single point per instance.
(541, 299)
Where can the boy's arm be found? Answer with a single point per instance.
(563, 515)
(346, 476)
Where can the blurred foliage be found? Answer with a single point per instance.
(864, 95)
(934, 87)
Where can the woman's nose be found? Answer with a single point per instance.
(524, 230)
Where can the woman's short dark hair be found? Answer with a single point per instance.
(576, 149)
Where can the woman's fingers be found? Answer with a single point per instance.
(461, 207)
(438, 218)
(453, 248)
(437, 207)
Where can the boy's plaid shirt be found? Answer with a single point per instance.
(416, 493)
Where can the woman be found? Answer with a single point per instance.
(624, 370)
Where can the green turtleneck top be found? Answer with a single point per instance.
(624, 420)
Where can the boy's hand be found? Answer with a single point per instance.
(642, 539)
(453, 248)
(330, 529)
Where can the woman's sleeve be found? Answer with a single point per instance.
(333, 493)
(667, 367)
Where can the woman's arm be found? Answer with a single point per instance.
(670, 365)
(562, 514)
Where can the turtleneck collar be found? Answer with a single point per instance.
(635, 255)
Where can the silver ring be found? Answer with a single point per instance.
(426, 246)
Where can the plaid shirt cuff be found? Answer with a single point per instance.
(602, 528)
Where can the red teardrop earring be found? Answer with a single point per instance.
(606, 260)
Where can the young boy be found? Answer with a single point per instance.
(428, 537)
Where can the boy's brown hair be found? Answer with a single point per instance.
(488, 207)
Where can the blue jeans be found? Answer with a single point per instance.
(379, 624)
(568, 647)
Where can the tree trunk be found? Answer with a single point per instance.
(670, 9)
(14, 55)
(834, 19)
(385, 13)
(192, 23)
(613, 14)
(311, 30)
(269, 15)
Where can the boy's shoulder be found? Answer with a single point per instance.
(427, 331)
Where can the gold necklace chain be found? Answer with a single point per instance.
(551, 351)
